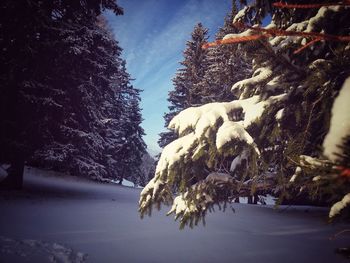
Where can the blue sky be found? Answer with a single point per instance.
(153, 34)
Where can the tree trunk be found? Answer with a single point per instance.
(14, 179)
(250, 199)
(255, 199)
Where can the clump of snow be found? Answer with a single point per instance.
(295, 175)
(199, 119)
(248, 32)
(219, 177)
(337, 207)
(212, 114)
(238, 160)
(260, 76)
(252, 109)
(205, 116)
(179, 205)
(128, 183)
(182, 206)
(279, 114)
(239, 17)
(233, 131)
(175, 151)
(312, 162)
(113, 181)
(273, 84)
(321, 15)
(316, 178)
(340, 123)
(283, 41)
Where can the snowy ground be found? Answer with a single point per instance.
(71, 220)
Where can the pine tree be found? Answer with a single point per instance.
(44, 75)
(278, 120)
(186, 93)
(147, 169)
(226, 65)
(133, 147)
(102, 137)
(91, 102)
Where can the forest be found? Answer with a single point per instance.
(261, 110)
(258, 111)
(67, 102)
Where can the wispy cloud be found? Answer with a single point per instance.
(153, 34)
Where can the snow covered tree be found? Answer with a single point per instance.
(133, 147)
(101, 136)
(87, 74)
(147, 169)
(185, 93)
(226, 65)
(328, 176)
(278, 121)
(41, 45)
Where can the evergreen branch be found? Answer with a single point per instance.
(308, 6)
(309, 121)
(307, 45)
(280, 58)
(231, 41)
(273, 32)
(290, 159)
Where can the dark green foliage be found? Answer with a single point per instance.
(297, 91)
(65, 92)
(186, 93)
(226, 65)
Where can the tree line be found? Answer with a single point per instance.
(67, 101)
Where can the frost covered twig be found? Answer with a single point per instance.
(307, 45)
(338, 206)
(273, 32)
(231, 41)
(308, 6)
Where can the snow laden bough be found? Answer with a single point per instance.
(334, 142)
(266, 130)
(331, 172)
(189, 168)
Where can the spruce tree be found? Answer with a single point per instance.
(186, 93)
(44, 80)
(102, 137)
(91, 98)
(271, 134)
(226, 65)
(130, 151)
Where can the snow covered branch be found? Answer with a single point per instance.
(270, 133)
(215, 128)
(309, 6)
(254, 33)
